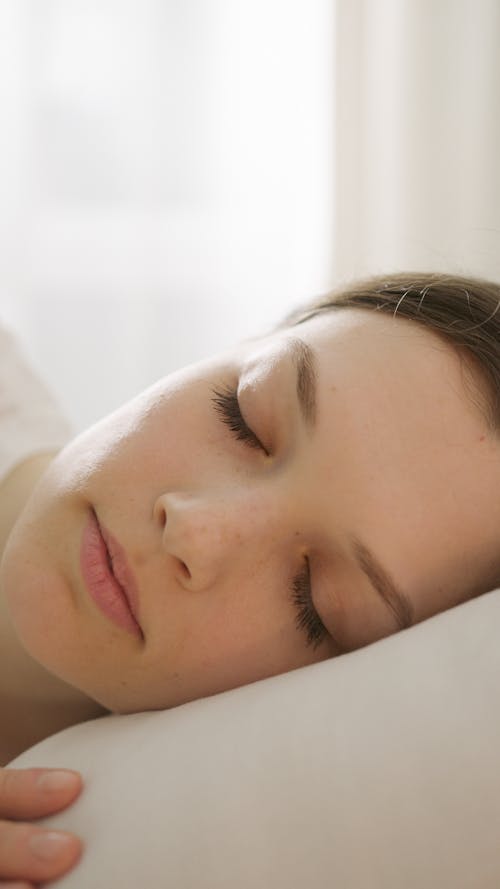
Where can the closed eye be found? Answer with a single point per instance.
(226, 405)
(307, 619)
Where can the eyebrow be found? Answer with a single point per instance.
(304, 360)
(397, 601)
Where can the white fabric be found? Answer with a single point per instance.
(377, 770)
(31, 421)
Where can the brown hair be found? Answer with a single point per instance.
(463, 311)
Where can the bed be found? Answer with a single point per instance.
(377, 770)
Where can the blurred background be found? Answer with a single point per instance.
(175, 175)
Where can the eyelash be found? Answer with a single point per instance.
(227, 406)
(308, 618)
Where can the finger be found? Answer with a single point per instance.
(29, 853)
(16, 885)
(32, 793)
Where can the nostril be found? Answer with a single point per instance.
(185, 570)
(161, 515)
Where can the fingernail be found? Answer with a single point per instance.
(57, 780)
(49, 845)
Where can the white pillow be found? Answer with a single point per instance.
(377, 770)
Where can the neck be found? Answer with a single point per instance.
(33, 703)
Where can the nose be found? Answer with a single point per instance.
(202, 535)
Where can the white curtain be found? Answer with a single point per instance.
(417, 136)
(176, 174)
(165, 181)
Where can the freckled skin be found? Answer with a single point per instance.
(215, 531)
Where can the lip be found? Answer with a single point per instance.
(108, 577)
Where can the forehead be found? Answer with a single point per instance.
(421, 467)
(377, 353)
(372, 337)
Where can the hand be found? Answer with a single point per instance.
(30, 854)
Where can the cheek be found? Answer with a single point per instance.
(167, 447)
(39, 583)
(38, 599)
(243, 635)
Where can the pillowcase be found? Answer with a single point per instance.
(376, 770)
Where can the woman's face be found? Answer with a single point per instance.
(358, 494)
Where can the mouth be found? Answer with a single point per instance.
(109, 578)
